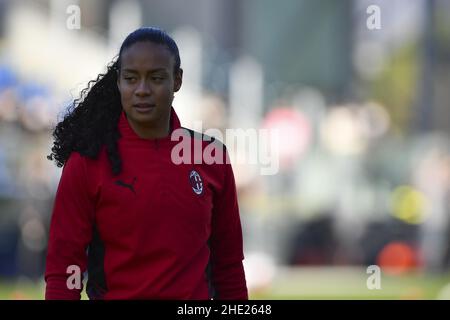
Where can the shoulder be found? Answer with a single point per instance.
(199, 148)
(204, 138)
(74, 161)
(85, 164)
(82, 172)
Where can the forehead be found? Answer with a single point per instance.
(147, 55)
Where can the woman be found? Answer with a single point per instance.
(141, 224)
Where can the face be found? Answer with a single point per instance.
(147, 83)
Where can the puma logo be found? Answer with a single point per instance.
(126, 185)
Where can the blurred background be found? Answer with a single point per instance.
(362, 112)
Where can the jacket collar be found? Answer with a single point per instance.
(127, 132)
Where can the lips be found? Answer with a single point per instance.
(144, 107)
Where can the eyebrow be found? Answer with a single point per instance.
(150, 71)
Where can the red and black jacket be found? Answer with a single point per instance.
(158, 230)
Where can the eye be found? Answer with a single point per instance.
(130, 79)
(157, 79)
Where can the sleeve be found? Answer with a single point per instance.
(227, 270)
(71, 229)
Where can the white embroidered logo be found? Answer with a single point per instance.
(196, 182)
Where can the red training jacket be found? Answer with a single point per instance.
(157, 230)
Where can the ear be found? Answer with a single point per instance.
(178, 81)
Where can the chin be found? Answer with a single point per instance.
(135, 113)
(144, 117)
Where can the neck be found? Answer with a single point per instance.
(151, 131)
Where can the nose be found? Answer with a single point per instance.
(143, 89)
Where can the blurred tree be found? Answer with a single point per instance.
(395, 86)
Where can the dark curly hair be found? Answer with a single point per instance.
(91, 120)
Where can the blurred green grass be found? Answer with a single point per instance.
(302, 284)
(344, 283)
(24, 289)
